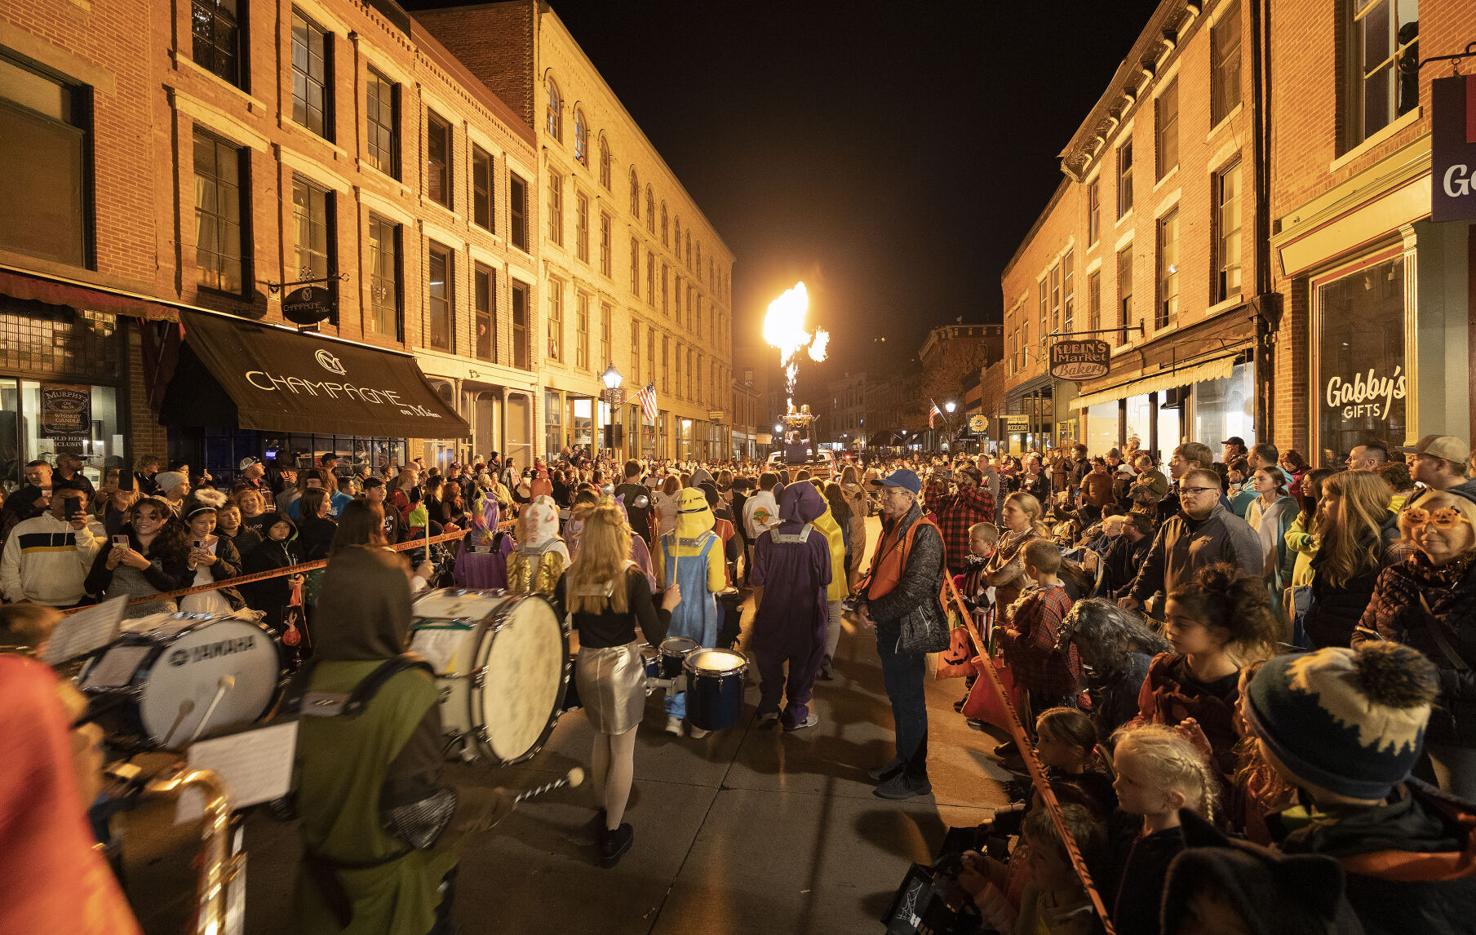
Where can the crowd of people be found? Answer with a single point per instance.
(1249, 678)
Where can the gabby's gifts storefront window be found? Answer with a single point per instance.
(1361, 374)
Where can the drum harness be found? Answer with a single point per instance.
(419, 824)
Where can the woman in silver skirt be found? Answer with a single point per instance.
(608, 597)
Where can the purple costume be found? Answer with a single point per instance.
(791, 562)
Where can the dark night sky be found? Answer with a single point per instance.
(891, 153)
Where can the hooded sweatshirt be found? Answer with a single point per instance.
(271, 595)
(693, 519)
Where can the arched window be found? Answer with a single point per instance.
(699, 258)
(605, 163)
(664, 230)
(676, 229)
(635, 194)
(689, 248)
(581, 138)
(554, 120)
(650, 210)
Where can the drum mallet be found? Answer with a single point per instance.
(573, 778)
(226, 683)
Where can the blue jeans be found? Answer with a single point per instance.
(904, 675)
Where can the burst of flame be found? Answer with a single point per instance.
(784, 329)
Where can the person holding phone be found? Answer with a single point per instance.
(211, 557)
(154, 559)
(46, 557)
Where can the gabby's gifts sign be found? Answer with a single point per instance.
(1366, 395)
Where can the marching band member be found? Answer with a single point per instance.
(701, 576)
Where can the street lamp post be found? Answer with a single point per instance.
(614, 398)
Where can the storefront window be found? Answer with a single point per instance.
(1225, 408)
(45, 419)
(1101, 433)
(582, 421)
(1360, 380)
(1138, 412)
(1170, 428)
(553, 426)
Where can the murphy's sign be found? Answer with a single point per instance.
(1080, 360)
(1453, 149)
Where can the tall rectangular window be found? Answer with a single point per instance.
(312, 76)
(651, 278)
(1166, 128)
(581, 330)
(1094, 211)
(665, 363)
(607, 321)
(484, 306)
(441, 308)
(651, 355)
(1124, 292)
(606, 245)
(216, 34)
(635, 267)
(1382, 51)
(665, 291)
(1167, 307)
(1124, 179)
(556, 208)
(312, 218)
(437, 159)
(482, 204)
(635, 353)
(384, 278)
(1226, 242)
(1068, 291)
(218, 213)
(1044, 306)
(581, 226)
(1055, 320)
(680, 355)
(1094, 300)
(1225, 62)
(44, 145)
(382, 123)
(555, 319)
(517, 206)
(521, 333)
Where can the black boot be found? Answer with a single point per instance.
(615, 844)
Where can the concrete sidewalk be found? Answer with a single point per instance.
(744, 831)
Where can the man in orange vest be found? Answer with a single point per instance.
(906, 578)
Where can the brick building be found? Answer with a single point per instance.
(1376, 337)
(1156, 234)
(214, 161)
(632, 271)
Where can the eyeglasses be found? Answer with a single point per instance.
(1198, 490)
(1445, 517)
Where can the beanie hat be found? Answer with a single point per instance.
(168, 480)
(1296, 894)
(1351, 722)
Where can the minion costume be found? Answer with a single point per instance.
(541, 556)
(835, 592)
(692, 556)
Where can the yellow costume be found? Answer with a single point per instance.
(541, 556)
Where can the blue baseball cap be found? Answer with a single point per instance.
(901, 478)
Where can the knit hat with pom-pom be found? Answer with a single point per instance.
(1347, 721)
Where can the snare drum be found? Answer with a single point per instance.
(502, 664)
(675, 650)
(715, 687)
(156, 685)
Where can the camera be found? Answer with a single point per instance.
(853, 604)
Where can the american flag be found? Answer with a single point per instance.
(933, 413)
(647, 399)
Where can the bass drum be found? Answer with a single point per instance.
(155, 686)
(501, 661)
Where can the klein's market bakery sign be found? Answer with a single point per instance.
(1366, 395)
(1078, 360)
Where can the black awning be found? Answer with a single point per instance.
(234, 371)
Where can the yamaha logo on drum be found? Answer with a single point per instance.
(211, 650)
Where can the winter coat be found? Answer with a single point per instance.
(917, 592)
(1395, 611)
(1410, 862)
(1184, 545)
(271, 595)
(1171, 694)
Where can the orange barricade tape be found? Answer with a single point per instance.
(1037, 772)
(417, 543)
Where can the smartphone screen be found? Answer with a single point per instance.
(121, 540)
(199, 543)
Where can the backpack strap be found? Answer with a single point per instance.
(307, 703)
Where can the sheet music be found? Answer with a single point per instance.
(255, 766)
(88, 629)
(115, 669)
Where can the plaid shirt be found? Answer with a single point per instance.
(1029, 644)
(955, 513)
